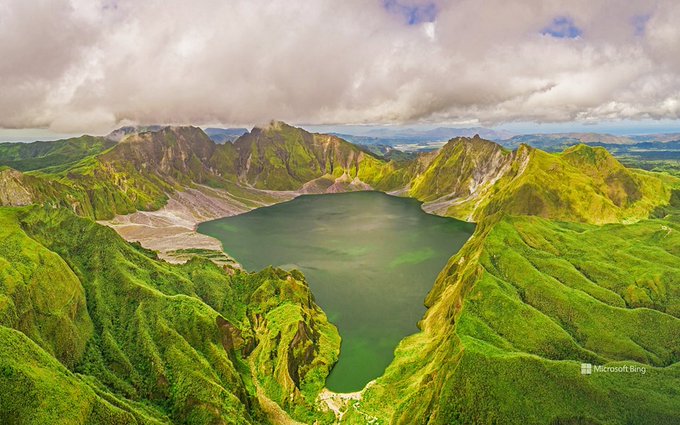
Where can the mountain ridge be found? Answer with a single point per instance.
(541, 220)
(468, 178)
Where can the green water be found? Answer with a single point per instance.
(369, 258)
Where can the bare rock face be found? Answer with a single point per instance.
(301, 351)
(460, 168)
(232, 338)
(12, 190)
(173, 152)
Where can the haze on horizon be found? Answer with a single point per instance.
(83, 66)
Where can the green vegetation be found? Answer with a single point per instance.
(474, 179)
(218, 257)
(521, 306)
(574, 259)
(671, 167)
(142, 170)
(54, 156)
(124, 337)
(281, 157)
(467, 178)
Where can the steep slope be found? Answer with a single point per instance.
(142, 170)
(526, 301)
(456, 177)
(582, 184)
(510, 318)
(139, 173)
(177, 154)
(469, 178)
(37, 389)
(136, 174)
(128, 338)
(281, 157)
(459, 168)
(518, 310)
(473, 178)
(14, 189)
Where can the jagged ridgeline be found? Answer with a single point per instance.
(140, 171)
(574, 259)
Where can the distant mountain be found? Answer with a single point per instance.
(274, 157)
(98, 330)
(177, 154)
(395, 136)
(555, 142)
(282, 157)
(144, 168)
(439, 133)
(389, 153)
(660, 137)
(225, 135)
(54, 154)
(468, 178)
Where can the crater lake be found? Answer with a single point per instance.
(369, 258)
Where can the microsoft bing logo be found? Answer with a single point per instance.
(586, 369)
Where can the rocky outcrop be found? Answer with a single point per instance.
(12, 190)
(177, 153)
(471, 178)
(281, 157)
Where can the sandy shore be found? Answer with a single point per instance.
(173, 227)
(340, 403)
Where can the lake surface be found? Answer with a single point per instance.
(369, 258)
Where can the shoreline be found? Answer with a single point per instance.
(174, 226)
(340, 403)
(173, 229)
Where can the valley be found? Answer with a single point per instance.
(510, 317)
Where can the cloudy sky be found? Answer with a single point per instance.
(73, 66)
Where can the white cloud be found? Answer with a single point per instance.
(83, 65)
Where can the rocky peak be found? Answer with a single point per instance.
(170, 150)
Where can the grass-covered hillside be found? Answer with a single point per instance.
(470, 178)
(281, 157)
(574, 260)
(518, 310)
(142, 170)
(55, 155)
(96, 330)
